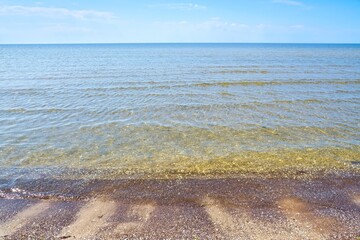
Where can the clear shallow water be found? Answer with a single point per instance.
(178, 108)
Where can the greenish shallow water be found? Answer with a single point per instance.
(181, 109)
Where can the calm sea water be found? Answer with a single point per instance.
(177, 108)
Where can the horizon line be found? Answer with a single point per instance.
(94, 43)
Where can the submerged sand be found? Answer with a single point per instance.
(325, 207)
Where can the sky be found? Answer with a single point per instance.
(149, 21)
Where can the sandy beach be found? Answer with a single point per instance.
(326, 207)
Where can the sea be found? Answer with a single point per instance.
(110, 111)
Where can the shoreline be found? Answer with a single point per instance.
(319, 208)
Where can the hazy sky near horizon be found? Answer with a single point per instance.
(129, 21)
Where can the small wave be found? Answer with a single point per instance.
(348, 91)
(159, 85)
(47, 110)
(17, 193)
(227, 94)
(263, 83)
(299, 101)
(25, 91)
(241, 72)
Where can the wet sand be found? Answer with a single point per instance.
(325, 207)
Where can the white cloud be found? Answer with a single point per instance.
(261, 26)
(61, 28)
(289, 2)
(55, 12)
(219, 24)
(180, 6)
(298, 26)
(213, 24)
(266, 27)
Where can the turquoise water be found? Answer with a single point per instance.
(178, 107)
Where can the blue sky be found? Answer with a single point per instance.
(106, 21)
